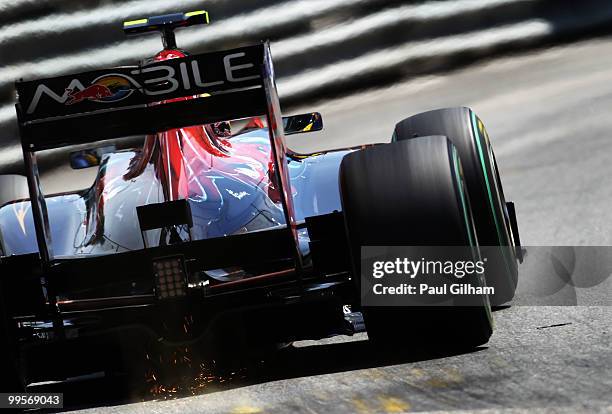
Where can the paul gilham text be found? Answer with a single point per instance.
(425, 289)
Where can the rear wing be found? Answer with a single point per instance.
(111, 103)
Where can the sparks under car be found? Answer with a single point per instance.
(219, 220)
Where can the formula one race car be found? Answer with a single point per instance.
(214, 233)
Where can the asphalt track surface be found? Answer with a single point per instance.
(549, 115)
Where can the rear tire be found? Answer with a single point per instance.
(493, 226)
(11, 379)
(12, 187)
(412, 193)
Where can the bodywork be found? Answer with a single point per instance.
(265, 252)
(230, 191)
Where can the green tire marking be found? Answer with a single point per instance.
(486, 176)
(462, 196)
(459, 179)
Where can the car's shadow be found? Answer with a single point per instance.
(315, 358)
(330, 358)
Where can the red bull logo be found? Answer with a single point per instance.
(104, 89)
(93, 92)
